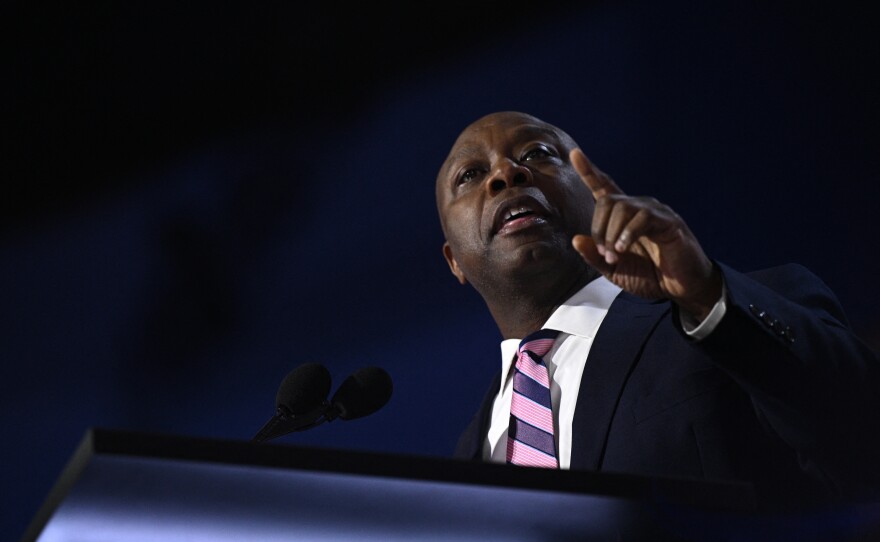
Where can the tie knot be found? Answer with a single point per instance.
(539, 342)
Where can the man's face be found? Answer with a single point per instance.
(510, 201)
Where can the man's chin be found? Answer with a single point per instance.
(540, 253)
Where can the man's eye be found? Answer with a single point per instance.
(536, 153)
(467, 176)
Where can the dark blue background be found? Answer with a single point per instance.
(197, 200)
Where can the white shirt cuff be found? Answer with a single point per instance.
(700, 330)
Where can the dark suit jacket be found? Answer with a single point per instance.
(782, 394)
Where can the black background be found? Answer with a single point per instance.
(197, 199)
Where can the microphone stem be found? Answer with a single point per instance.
(284, 422)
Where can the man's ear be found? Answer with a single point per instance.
(453, 265)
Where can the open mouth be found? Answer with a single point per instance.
(518, 212)
(518, 215)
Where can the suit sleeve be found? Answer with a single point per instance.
(786, 341)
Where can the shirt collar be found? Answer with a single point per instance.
(580, 315)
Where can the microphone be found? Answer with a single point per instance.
(361, 394)
(302, 403)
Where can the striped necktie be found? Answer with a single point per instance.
(530, 440)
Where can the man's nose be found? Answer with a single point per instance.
(507, 174)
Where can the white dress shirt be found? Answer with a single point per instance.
(577, 320)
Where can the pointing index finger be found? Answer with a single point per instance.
(598, 183)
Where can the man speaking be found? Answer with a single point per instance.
(627, 348)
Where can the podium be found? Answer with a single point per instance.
(133, 486)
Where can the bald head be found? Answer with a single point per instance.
(510, 202)
(474, 142)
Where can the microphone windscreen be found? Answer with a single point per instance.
(362, 393)
(304, 388)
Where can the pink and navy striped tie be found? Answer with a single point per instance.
(530, 440)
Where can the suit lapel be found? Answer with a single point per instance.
(614, 352)
(470, 444)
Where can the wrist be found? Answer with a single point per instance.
(705, 297)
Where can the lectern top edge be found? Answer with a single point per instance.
(692, 492)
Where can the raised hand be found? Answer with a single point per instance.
(644, 247)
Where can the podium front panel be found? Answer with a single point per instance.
(135, 487)
(125, 499)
